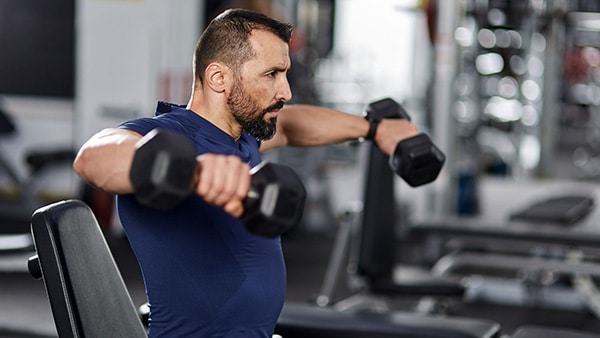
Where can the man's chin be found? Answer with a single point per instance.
(267, 135)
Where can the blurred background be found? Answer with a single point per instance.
(508, 89)
(505, 88)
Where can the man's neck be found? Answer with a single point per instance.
(217, 114)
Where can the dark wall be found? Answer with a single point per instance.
(37, 47)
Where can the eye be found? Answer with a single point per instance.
(271, 74)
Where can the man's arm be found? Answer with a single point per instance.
(105, 162)
(306, 125)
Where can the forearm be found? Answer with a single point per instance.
(104, 161)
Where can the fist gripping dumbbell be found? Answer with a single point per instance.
(163, 175)
(416, 159)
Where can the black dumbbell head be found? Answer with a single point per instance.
(163, 169)
(275, 202)
(386, 109)
(417, 160)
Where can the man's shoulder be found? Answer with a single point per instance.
(163, 107)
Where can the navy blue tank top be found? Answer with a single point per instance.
(205, 275)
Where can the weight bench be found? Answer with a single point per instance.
(531, 217)
(375, 265)
(88, 296)
(545, 332)
(370, 263)
(302, 320)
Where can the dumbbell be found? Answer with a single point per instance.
(163, 174)
(416, 159)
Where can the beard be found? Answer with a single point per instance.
(250, 115)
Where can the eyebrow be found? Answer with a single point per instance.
(279, 69)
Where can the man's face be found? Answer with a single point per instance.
(251, 116)
(261, 88)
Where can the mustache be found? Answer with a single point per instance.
(274, 107)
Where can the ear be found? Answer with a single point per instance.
(217, 76)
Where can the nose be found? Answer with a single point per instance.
(285, 92)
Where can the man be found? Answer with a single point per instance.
(205, 275)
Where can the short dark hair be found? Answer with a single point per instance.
(225, 39)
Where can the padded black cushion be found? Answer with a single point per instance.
(86, 291)
(547, 332)
(564, 210)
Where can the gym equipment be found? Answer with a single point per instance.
(374, 275)
(86, 291)
(371, 268)
(301, 321)
(16, 207)
(557, 209)
(531, 331)
(72, 252)
(163, 174)
(416, 159)
(22, 195)
(542, 263)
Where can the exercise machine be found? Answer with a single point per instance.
(20, 196)
(365, 249)
(365, 253)
(532, 248)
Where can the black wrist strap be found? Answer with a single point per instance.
(373, 123)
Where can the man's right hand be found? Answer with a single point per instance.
(224, 181)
